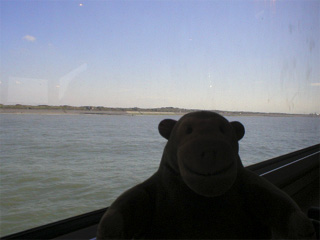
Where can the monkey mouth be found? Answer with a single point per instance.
(208, 173)
(210, 183)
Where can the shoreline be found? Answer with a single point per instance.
(82, 112)
(140, 112)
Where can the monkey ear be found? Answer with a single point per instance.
(165, 127)
(238, 129)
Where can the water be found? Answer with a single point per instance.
(58, 166)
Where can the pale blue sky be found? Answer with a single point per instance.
(226, 55)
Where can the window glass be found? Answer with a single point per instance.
(84, 84)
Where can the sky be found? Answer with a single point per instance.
(260, 56)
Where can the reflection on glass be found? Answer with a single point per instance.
(244, 56)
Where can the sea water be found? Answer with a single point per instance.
(57, 166)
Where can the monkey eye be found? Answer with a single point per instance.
(189, 130)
